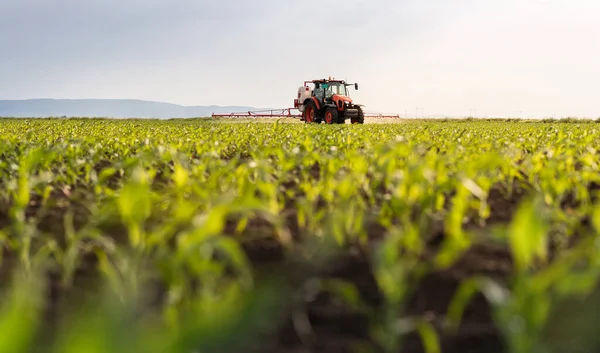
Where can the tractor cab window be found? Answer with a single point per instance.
(335, 89)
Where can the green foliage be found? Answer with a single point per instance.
(110, 213)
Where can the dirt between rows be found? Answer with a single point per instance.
(334, 326)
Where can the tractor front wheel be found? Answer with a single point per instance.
(361, 117)
(310, 112)
(331, 116)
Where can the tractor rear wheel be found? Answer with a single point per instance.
(331, 115)
(361, 117)
(310, 112)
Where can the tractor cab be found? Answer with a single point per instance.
(325, 90)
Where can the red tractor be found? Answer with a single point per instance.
(328, 101)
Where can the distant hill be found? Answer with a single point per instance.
(109, 108)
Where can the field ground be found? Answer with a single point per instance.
(436, 236)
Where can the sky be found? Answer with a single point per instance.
(519, 58)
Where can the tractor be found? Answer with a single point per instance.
(328, 102)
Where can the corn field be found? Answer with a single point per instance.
(189, 236)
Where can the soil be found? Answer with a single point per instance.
(335, 327)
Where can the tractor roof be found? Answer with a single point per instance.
(327, 80)
(324, 80)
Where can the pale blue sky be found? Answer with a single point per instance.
(446, 56)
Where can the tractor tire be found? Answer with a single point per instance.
(361, 117)
(331, 115)
(310, 113)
